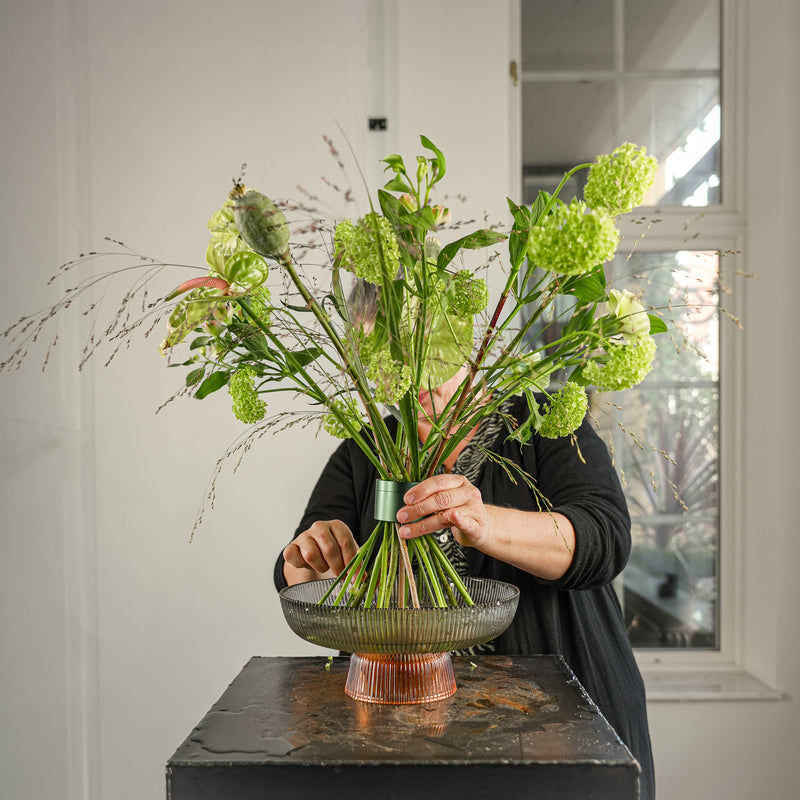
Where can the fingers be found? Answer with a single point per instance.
(326, 547)
(440, 502)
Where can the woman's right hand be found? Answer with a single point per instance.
(322, 551)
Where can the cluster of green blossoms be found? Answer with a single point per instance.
(470, 294)
(565, 412)
(366, 245)
(390, 378)
(629, 356)
(573, 240)
(332, 423)
(626, 365)
(248, 407)
(617, 182)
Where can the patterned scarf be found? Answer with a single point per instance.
(470, 463)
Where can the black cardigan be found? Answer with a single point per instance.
(577, 616)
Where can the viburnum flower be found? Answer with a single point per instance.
(247, 405)
(361, 245)
(565, 412)
(617, 181)
(626, 365)
(470, 294)
(630, 313)
(390, 378)
(573, 240)
(331, 423)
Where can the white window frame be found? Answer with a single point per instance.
(687, 673)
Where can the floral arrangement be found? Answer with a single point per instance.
(356, 366)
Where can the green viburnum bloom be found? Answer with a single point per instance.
(618, 181)
(627, 365)
(247, 405)
(390, 378)
(565, 413)
(361, 245)
(470, 294)
(333, 426)
(630, 313)
(573, 240)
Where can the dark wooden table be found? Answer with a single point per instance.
(519, 726)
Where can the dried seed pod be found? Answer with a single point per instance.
(260, 222)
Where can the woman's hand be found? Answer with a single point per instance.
(541, 543)
(446, 501)
(322, 551)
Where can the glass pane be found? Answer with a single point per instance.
(655, 83)
(679, 122)
(664, 437)
(682, 34)
(568, 35)
(564, 124)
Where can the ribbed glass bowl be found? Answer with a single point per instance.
(400, 630)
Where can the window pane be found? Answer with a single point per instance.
(565, 124)
(677, 35)
(596, 74)
(567, 35)
(664, 436)
(679, 121)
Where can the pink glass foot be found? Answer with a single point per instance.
(400, 679)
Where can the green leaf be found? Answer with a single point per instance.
(398, 184)
(589, 288)
(213, 382)
(297, 359)
(538, 207)
(395, 162)
(657, 325)
(580, 321)
(251, 338)
(195, 376)
(518, 240)
(472, 241)
(200, 341)
(441, 166)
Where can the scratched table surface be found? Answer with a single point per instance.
(519, 726)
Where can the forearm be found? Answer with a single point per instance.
(540, 543)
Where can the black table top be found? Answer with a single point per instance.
(519, 725)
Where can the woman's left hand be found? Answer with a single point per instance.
(444, 501)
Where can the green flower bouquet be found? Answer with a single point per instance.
(430, 321)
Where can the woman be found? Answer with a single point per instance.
(562, 559)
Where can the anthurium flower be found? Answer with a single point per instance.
(196, 283)
(617, 181)
(200, 306)
(572, 239)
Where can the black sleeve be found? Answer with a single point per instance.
(578, 478)
(334, 496)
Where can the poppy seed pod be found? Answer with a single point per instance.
(260, 222)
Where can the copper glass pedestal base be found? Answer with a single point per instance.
(400, 679)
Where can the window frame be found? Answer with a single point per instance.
(721, 228)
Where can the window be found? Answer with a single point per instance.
(596, 73)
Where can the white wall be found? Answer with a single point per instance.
(129, 120)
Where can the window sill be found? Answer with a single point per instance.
(683, 685)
